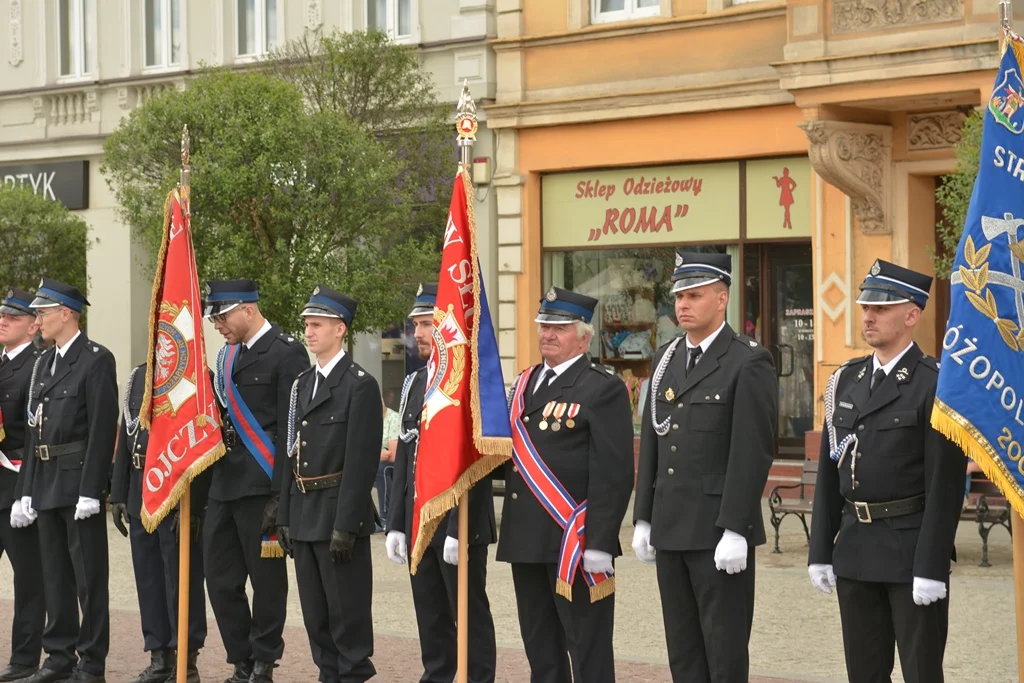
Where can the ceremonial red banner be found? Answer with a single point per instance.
(465, 431)
(179, 407)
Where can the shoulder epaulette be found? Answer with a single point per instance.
(306, 371)
(289, 338)
(854, 361)
(930, 361)
(746, 341)
(602, 369)
(356, 370)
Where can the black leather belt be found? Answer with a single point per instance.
(869, 512)
(45, 453)
(231, 439)
(307, 484)
(139, 460)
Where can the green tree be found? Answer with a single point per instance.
(382, 87)
(954, 194)
(40, 237)
(286, 196)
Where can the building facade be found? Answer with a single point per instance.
(805, 138)
(71, 69)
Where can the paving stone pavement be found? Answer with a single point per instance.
(796, 637)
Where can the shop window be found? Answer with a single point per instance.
(163, 33)
(257, 27)
(636, 313)
(620, 10)
(394, 17)
(77, 29)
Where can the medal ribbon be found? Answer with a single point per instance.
(553, 497)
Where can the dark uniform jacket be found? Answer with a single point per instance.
(899, 456)
(593, 461)
(130, 458)
(15, 376)
(481, 504)
(339, 431)
(708, 472)
(79, 404)
(263, 376)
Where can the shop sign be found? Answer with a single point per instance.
(66, 181)
(778, 198)
(658, 205)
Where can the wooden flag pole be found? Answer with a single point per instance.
(184, 564)
(185, 505)
(463, 612)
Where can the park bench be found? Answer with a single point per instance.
(984, 505)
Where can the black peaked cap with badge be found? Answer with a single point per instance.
(53, 293)
(562, 306)
(426, 299)
(329, 303)
(224, 295)
(17, 302)
(887, 283)
(696, 269)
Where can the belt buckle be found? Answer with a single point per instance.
(43, 452)
(863, 513)
(137, 461)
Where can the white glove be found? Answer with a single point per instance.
(822, 577)
(395, 545)
(87, 507)
(731, 553)
(27, 509)
(451, 550)
(598, 562)
(18, 518)
(645, 552)
(927, 591)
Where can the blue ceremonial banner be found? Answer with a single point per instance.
(979, 402)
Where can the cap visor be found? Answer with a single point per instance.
(217, 309)
(319, 312)
(554, 319)
(881, 298)
(43, 302)
(693, 283)
(421, 310)
(12, 310)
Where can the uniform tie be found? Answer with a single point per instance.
(877, 379)
(549, 376)
(3, 359)
(695, 353)
(316, 383)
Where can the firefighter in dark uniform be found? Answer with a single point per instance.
(891, 487)
(155, 555)
(17, 539)
(254, 376)
(72, 421)
(706, 444)
(435, 583)
(327, 515)
(575, 423)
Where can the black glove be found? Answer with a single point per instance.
(120, 514)
(342, 543)
(284, 540)
(270, 516)
(194, 521)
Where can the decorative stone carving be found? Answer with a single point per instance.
(935, 130)
(17, 45)
(314, 14)
(122, 98)
(855, 157)
(852, 16)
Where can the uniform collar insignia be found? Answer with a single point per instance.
(860, 375)
(902, 374)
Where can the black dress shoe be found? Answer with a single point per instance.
(263, 672)
(243, 671)
(45, 675)
(160, 665)
(80, 676)
(15, 672)
(191, 673)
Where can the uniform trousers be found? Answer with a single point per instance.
(878, 616)
(232, 538)
(76, 573)
(22, 548)
(435, 594)
(564, 641)
(155, 559)
(708, 615)
(336, 604)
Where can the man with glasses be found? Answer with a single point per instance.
(17, 357)
(72, 427)
(254, 378)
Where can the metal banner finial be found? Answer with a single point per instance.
(466, 123)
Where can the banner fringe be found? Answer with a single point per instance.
(602, 590)
(3, 434)
(486, 445)
(154, 314)
(564, 589)
(960, 431)
(271, 549)
(151, 521)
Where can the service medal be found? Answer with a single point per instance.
(547, 413)
(669, 394)
(559, 412)
(574, 410)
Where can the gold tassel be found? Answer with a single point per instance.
(602, 590)
(154, 313)
(3, 434)
(271, 549)
(957, 429)
(564, 589)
